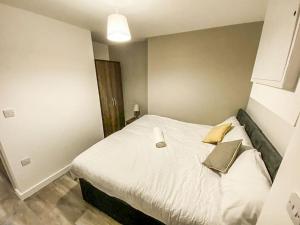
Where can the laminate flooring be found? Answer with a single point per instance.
(59, 203)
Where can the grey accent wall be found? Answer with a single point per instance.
(100, 51)
(202, 76)
(133, 58)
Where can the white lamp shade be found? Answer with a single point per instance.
(136, 108)
(117, 28)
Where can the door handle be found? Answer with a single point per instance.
(113, 101)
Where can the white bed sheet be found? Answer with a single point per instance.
(169, 184)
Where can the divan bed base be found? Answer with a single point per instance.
(115, 208)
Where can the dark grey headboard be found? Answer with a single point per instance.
(269, 154)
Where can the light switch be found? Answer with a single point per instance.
(25, 162)
(293, 208)
(8, 113)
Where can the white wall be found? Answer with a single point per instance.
(284, 104)
(202, 76)
(100, 51)
(278, 131)
(276, 111)
(47, 75)
(133, 59)
(287, 181)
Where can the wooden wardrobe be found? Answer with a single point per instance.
(111, 95)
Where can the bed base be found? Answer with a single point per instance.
(115, 208)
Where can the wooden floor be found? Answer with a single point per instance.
(60, 203)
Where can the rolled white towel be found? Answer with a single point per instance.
(159, 138)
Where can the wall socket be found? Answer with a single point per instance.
(8, 113)
(25, 161)
(293, 208)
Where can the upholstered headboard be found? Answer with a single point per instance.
(269, 154)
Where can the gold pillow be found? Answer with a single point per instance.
(217, 133)
(223, 156)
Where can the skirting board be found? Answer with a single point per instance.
(43, 183)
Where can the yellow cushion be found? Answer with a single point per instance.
(217, 133)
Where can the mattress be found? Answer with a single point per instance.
(169, 184)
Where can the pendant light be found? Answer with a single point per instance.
(117, 28)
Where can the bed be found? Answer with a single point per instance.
(126, 177)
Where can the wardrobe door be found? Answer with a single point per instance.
(116, 80)
(106, 96)
(111, 95)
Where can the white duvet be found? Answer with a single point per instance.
(169, 184)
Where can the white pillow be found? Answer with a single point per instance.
(233, 120)
(262, 166)
(237, 133)
(244, 189)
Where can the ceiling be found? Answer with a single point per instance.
(148, 18)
